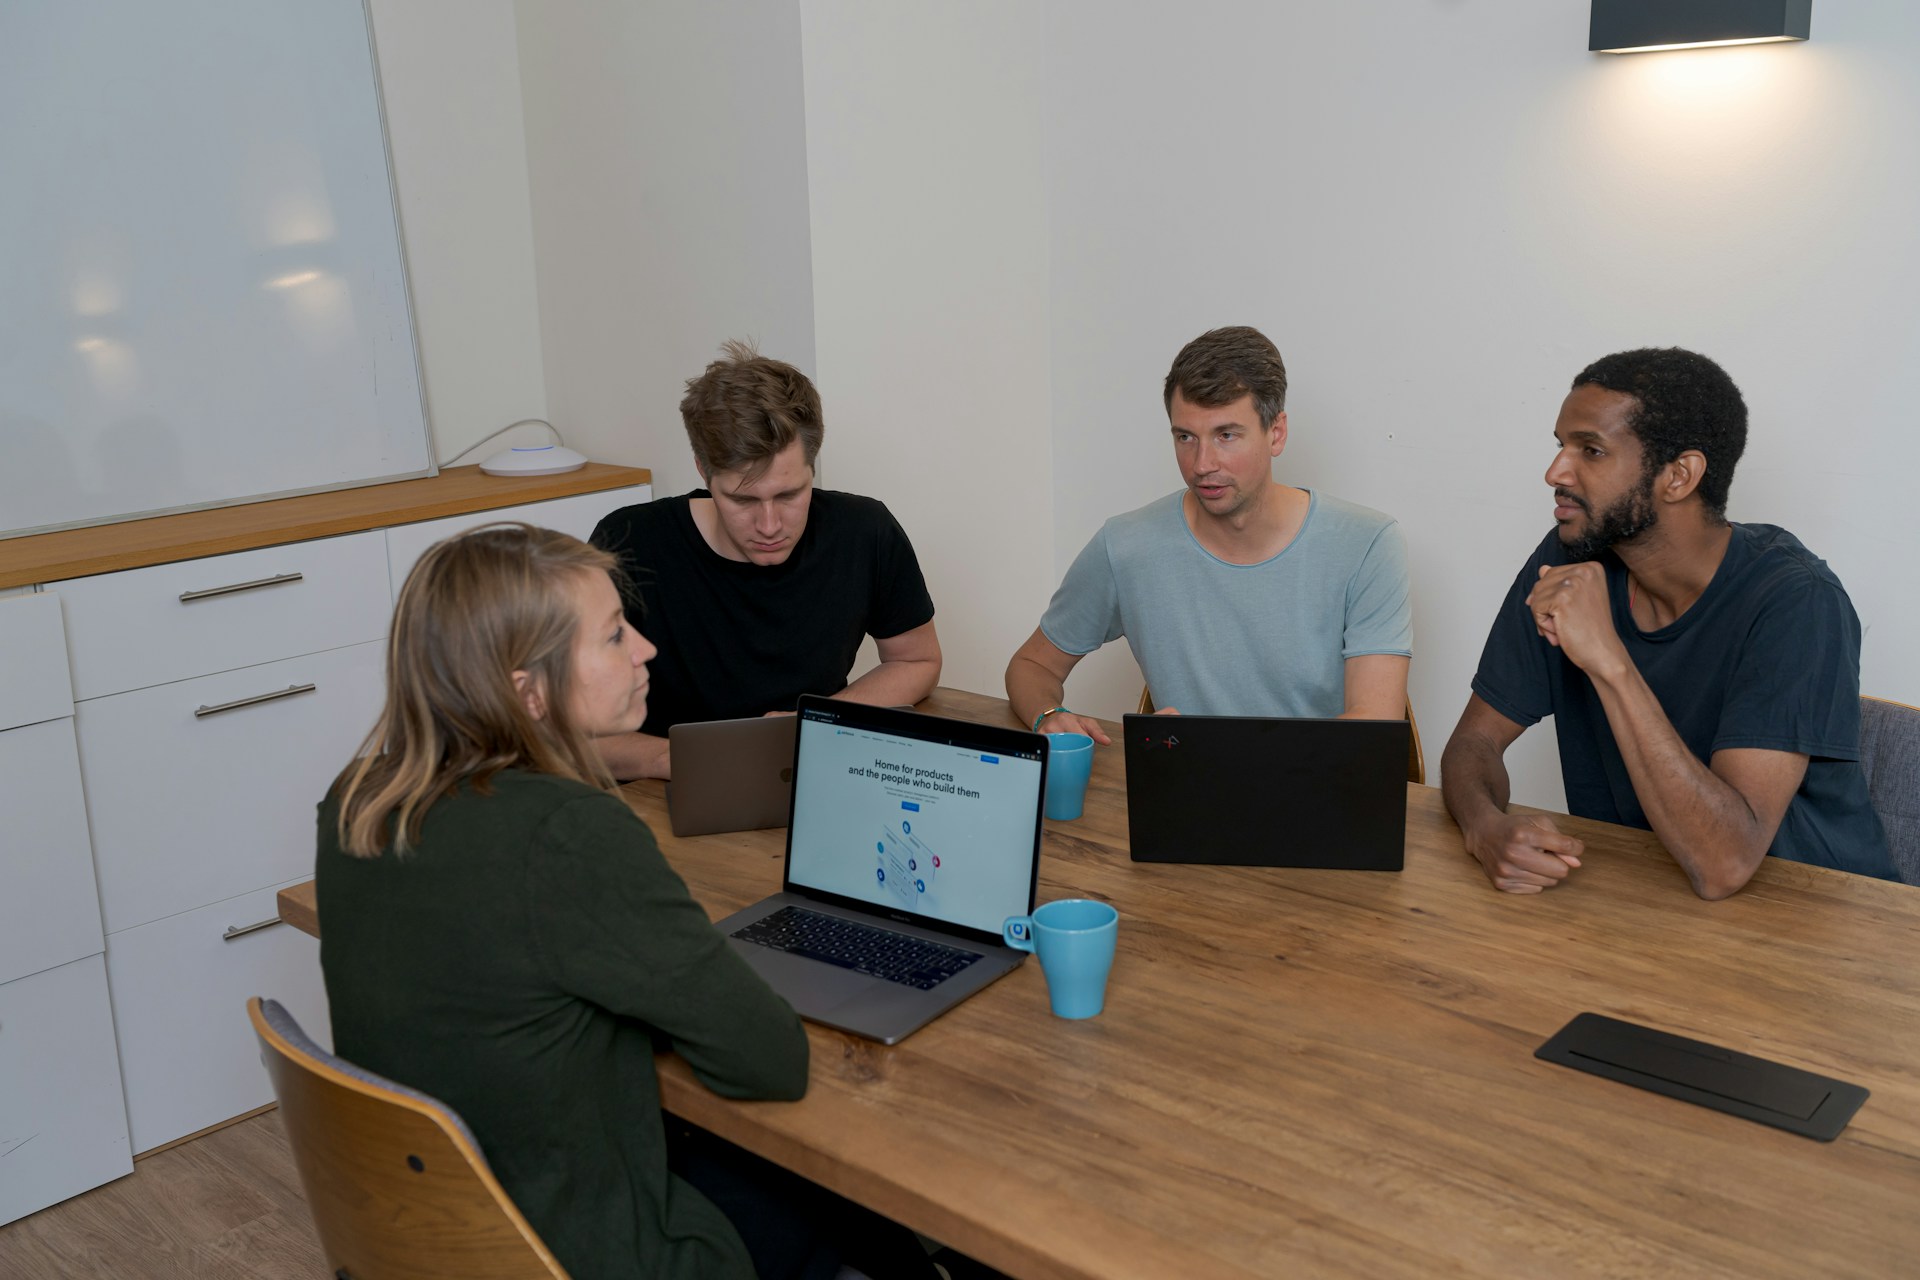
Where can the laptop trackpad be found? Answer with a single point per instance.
(810, 986)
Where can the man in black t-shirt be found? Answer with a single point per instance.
(1703, 677)
(760, 588)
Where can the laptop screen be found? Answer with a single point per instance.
(915, 816)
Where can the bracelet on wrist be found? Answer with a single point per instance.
(1039, 719)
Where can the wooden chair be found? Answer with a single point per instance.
(1416, 758)
(396, 1183)
(1890, 757)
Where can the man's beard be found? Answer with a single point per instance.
(1626, 519)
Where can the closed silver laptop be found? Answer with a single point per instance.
(730, 775)
(912, 839)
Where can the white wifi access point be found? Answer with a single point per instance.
(533, 460)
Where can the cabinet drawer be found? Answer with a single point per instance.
(188, 809)
(180, 991)
(132, 630)
(48, 912)
(63, 1126)
(34, 685)
(576, 515)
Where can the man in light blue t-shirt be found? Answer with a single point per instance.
(1238, 595)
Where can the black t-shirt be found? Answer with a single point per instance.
(1767, 657)
(739, 639)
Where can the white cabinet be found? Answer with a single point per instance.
(63, 1128)
(49, 913)
(180, 988)
(174, 621)
(33, 647)
(203, 789)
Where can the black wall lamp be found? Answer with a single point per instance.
(1644, 26)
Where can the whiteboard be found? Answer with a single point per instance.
(202, 293)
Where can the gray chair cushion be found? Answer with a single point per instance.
(283, 1022)
(1890, 757)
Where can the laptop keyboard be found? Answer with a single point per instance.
(879, 953)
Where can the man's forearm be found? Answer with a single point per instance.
(1031, 689)
(1475, 783)
(899, 683)
(635, 755)
(1707, 825)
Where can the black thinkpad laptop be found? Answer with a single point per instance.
(1256, 792)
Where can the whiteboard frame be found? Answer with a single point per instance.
(413, 345)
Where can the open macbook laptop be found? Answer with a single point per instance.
(730, 775)
(912, 839)
(1257, 792)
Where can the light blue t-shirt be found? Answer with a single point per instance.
(1267, 639)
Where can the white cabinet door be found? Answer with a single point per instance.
(49, 914)
(33, 661)
(576, 515)
(134, 629)
(180, 989)
(189, 808)
(63, 1127)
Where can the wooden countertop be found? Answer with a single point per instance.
(135, 544)
(1331, 1073)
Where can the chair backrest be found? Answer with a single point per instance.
(1416, 758)
(397, 1187)
(1890, 757)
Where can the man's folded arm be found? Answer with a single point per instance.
(908, 671)
(1717, 820)
(1521, 853)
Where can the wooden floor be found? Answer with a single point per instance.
(226, 1206)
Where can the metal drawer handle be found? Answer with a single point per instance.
(241, 931)
(258, 698)
(188, 597)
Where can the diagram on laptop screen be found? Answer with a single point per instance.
(907, 868)
(938, 830)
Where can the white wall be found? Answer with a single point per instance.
(926, 166)
(1440, 211)
(450, 80)
(667, 158)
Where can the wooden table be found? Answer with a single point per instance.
(1331, 1073)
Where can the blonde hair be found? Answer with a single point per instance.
(475, 609)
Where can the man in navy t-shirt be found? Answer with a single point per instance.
(1703, 676)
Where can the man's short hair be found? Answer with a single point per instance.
(1221, 365)
(1686, 401)
(744, 408)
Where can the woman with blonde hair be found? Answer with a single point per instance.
(502, 932)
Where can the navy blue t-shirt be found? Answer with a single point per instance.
(740, 639)
(1767, 657)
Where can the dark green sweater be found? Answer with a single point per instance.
(517, 965)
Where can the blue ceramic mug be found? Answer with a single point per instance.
(1069, 764)
(1074, 939)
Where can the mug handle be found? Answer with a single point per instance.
(1018, 932)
